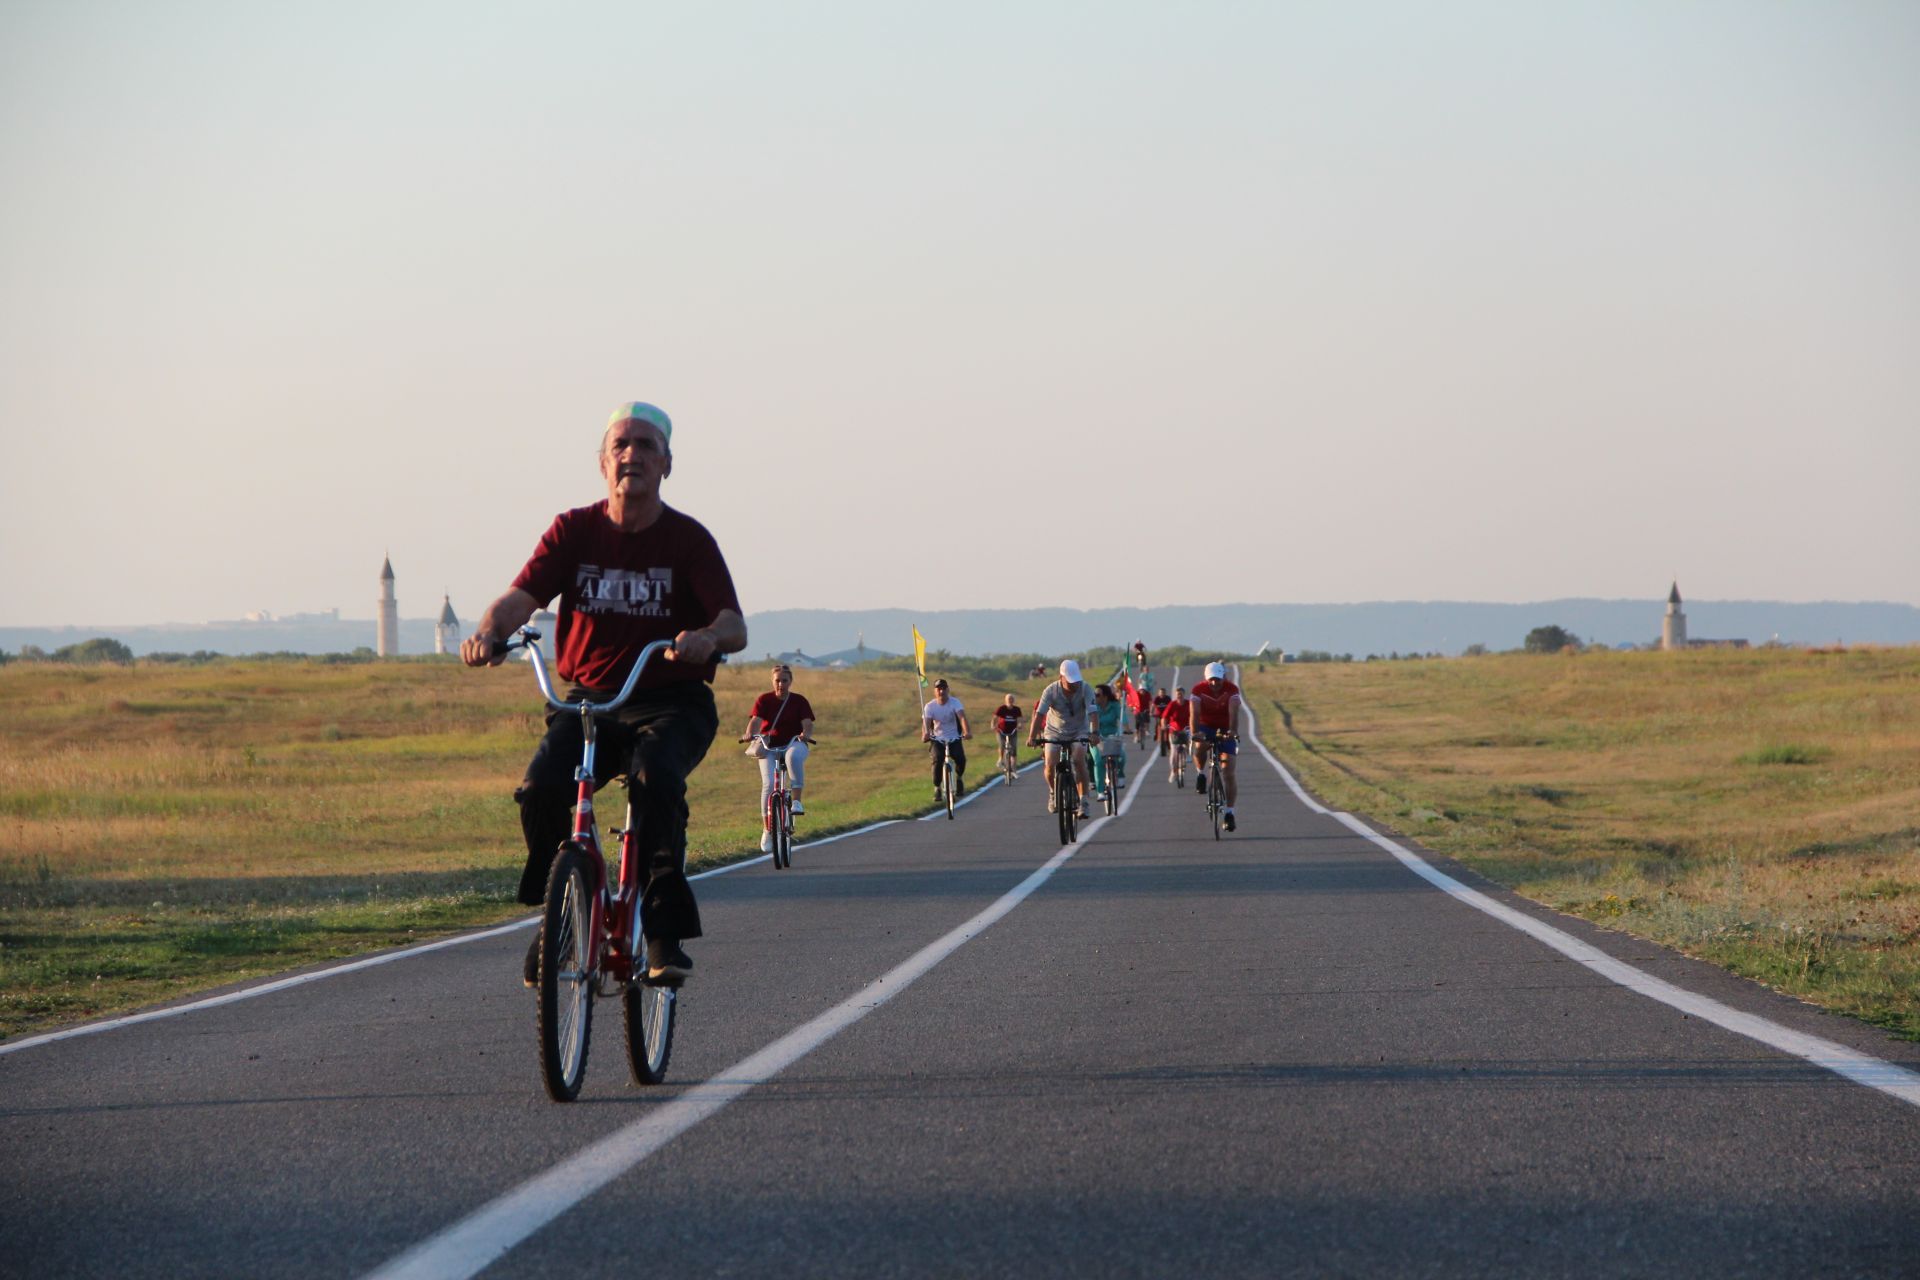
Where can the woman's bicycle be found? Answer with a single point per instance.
(777, 813)
(591, 943)
(1114, 769)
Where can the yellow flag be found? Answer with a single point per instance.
(920, 655)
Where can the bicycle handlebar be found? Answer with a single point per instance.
(529, 639)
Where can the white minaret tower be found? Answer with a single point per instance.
(446, 634)
(1673, 627)
(387, 629)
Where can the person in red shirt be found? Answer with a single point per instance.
(1140, 703)
(1216, 710)
(1175, 725)
(1160, 701)
(628, 570)
(786, 718)
(1006, 723)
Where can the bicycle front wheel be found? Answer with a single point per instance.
(649, 1030)
(564, 1014)
(1216, 799)
(951, 778)
(783, 830)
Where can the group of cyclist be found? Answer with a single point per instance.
(1088, 726)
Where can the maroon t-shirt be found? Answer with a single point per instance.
(785, 729)
(1006, 719)
(621, 591)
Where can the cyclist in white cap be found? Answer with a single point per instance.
(1064, 715)
(627, 570)
(1216, 710)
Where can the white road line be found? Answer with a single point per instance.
(481, 1238)
(1875, 1073)
(354, 966)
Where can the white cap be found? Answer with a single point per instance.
(1071, 670)
(1216, 671)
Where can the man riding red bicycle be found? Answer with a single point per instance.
(628, 570)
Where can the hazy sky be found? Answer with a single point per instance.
(1366, 301)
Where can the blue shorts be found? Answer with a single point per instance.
(1222, 737)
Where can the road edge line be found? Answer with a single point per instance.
(274, 985)
(1890, 1078)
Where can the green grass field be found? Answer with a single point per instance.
(167, 829)
(1760, 809)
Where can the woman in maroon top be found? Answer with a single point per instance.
(786, 718)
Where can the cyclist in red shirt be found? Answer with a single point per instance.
(1216, 710)
(627, 570)
(1175, 722)
(1160, 701)
(1006, 724)
(786, 718)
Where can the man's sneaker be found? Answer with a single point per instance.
(1226, 819)
(1053, 803)
(766, 842)
(938, 795)
(1081, 812)
(799, 810)
(666, 962)
(530, 971)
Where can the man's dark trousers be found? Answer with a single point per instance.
(656, 739)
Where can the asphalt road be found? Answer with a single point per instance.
(1280, 1053)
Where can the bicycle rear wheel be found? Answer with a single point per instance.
(649, 1013)
(564, 1009)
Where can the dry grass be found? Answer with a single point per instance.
(1761, 809)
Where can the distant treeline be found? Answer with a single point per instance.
(104, 649)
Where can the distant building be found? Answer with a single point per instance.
(387, 621)
(446, 632)
(1673, 628)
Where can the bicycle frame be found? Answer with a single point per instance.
(776, 811)
(613, 926)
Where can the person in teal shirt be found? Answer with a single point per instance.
(1108, 712)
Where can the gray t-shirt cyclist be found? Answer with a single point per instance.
(1064, 715)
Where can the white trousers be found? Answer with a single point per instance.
(796, 769)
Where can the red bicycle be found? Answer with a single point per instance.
(777, 814)
(591, 942)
